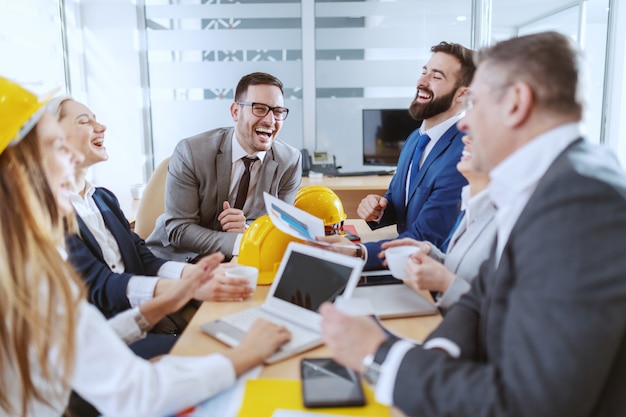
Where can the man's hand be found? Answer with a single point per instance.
(371, 207)
(232, 219)
(349, 338)
(340, 244)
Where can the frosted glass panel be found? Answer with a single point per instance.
(31, 44)
(369, 55)
(198, 51)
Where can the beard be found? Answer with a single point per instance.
(420, 111)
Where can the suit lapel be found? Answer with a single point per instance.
(120, 233)
(88, 237)
(442, 144)
(224, 168)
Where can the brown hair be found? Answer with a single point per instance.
(465, 57)
(256, 78)
(547, 62)
(39, 291)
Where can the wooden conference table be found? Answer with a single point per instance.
(194, 342)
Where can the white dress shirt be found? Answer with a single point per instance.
(434, 133)
(236, 171)
(140, 288)
(515, 179)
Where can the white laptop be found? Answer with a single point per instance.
(307, 277)
(390, 297)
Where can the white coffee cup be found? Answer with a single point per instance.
(136, 191)
(248, 272)
(396, 259)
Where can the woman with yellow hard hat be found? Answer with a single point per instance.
(52, 339)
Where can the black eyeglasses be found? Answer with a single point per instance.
(261, 110)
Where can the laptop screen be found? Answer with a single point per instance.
(309, 281)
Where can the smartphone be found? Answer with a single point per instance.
(325, 383)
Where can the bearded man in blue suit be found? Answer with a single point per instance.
(424, 196)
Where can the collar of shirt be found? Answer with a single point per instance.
(436, 132)
(238, 152)
(89, 191)
(514, 180)
(474, 205)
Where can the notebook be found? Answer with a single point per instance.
(390, 297)
(307, 277)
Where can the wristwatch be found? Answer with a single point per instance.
(372, 363)
(142, 322)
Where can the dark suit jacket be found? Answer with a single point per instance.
(198, 182)
(434, 199)
(107, 289)
(544, 334)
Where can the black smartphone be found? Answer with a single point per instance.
(325, 383)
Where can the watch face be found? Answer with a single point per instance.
(372, 370)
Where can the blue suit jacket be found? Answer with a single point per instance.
(107, 289)
(434, 199)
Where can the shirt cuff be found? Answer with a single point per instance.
(140, 289)
(237, 244)
(389, 370)
(171, 270)
(126, 327)
(442, 343)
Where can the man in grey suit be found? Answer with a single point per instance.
(542, 330)
(206, 206)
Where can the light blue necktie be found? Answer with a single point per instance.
(422, 141)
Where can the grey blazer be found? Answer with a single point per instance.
(469, 247)
(544, 333)
(198, 181)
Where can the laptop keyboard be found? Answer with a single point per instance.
(243, 320)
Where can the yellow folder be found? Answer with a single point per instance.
(263, 396)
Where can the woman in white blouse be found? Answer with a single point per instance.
(449, 275)
(52, 339)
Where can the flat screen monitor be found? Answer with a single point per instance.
(384, 133)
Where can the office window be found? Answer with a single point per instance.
(32, 45)
(198, 51)
(369, 55)
(586, 23)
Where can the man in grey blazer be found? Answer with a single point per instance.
(205, 171)
(542, 330)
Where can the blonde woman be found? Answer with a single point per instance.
(120, 271)
(52, 339)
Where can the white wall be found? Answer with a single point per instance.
(112, 89)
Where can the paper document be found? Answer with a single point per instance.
(293, 221)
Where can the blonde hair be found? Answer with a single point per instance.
(39, 290)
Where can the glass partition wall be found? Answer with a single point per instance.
(335, 58)
(198, 51)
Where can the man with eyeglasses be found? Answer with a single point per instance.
(216, 179)
(542, 331)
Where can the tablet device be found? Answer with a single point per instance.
(325, 383)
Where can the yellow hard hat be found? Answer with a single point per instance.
(322, 202)
(263, 246)
(20, 110)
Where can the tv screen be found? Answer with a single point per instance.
(384, 133)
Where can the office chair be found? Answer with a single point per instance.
(152, 203)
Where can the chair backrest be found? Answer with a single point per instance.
(152, 203)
